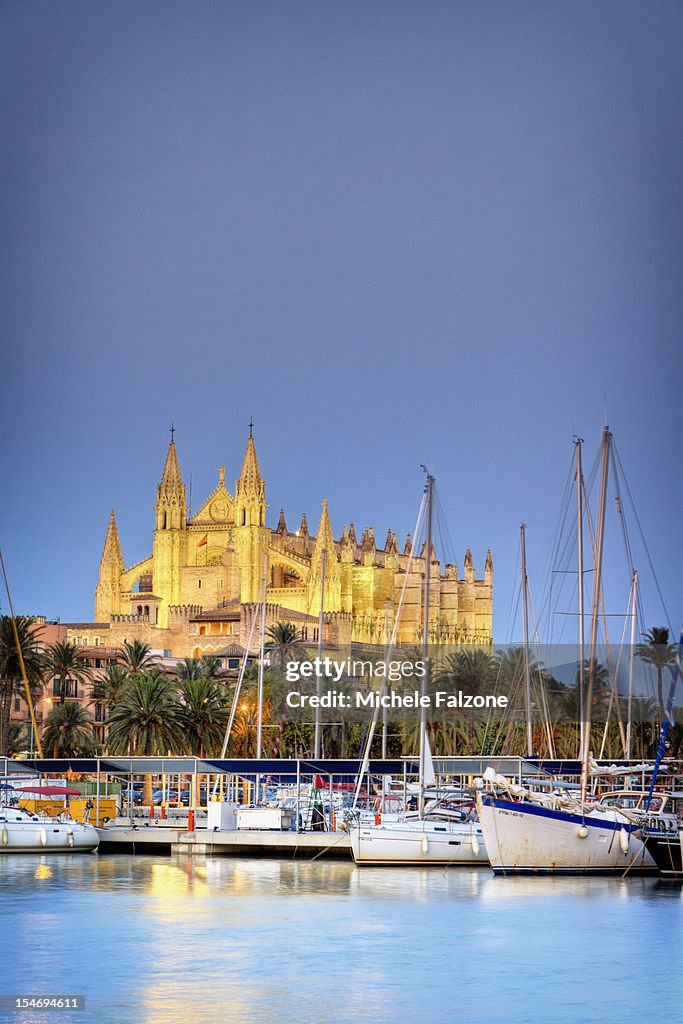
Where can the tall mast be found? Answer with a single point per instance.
(385, 710)
(429, 487)
(634, 606)
(259, 725)
(22, 666)
(319, 678)
(527, 673)
(579, 545)
(606, 439)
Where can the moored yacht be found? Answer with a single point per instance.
(419, 841)
(528, 833)
(662, 833)
(24, 832)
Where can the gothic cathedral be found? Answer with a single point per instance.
(199, 590)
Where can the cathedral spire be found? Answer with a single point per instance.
(108, 590)
(171, 508)
(111, 553)
(250, 485)
(325, 547)
(250, 489)
(324, 541)
(171, 478)
(281, 524)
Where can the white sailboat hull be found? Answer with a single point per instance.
(419, 842)
(528, 839)
(22, 833)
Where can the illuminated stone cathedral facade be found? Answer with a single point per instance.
(201, 587)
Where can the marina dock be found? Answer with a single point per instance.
(159, 838)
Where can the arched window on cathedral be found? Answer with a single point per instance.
(147, 610)
(139, 609)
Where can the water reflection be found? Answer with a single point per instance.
(155, 940)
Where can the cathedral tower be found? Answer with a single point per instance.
(170, 536)
(108, 590)
(250, 532)
(324, 542)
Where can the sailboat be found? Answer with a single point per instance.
(22, 831)
(662, 832)
(432, 837)
(526, 833)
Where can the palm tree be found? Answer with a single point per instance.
(193, 669)
(283, 643)
(107, 690)
(657, 651)
(204, 715)
(68, 729)
(18, 738)
(147, 718)
(472, 670)
(136, 656)
(10, 669)
(244, 729)
(64, 661)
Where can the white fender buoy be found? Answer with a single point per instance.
(70, 836)
(43, 837)
(475, 845)
(424, 844)
(4, 838)
(583, 832)
(623, 840)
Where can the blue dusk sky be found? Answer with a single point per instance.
(393, 233)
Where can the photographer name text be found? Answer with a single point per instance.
(414, 699)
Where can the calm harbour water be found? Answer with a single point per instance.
(153, 940)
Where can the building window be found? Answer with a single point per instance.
(55, 687)
(199, 584)
(233, 663)
(17, 704)
(97, 641)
